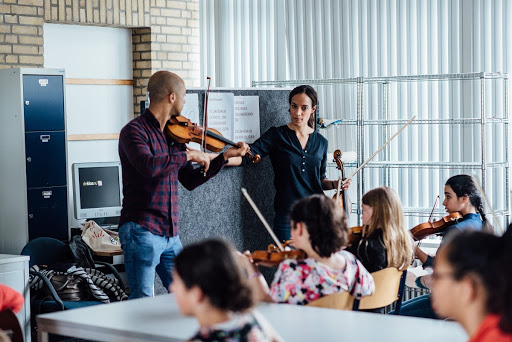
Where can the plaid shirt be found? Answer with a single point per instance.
(152, 166)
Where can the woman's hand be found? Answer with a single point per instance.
(346, 184)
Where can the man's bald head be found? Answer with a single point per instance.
(163, 83)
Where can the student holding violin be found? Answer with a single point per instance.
(319, 229)
(461, 195)
(298, 155)
(383, 240)
(152, 164)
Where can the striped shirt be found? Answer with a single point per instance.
(152, 165)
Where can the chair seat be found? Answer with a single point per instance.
(50, 305)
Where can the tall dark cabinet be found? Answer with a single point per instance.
(33, 181)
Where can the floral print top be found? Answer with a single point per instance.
(240, 328)
(303, 281)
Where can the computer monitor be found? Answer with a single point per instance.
(97, 191)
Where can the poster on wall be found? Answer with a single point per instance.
(220, 113)
(247, 119)
(191, 111)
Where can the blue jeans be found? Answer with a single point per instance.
(282, 227)
(143, 253)
(418, 307)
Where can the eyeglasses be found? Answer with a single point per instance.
(436, 275)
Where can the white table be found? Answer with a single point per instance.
(159, 319)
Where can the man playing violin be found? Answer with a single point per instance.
(152, 164)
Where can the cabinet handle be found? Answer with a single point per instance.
(27, 103)
(45, 138)
(29, 160)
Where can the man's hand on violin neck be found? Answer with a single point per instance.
(199, 157)
(236, 151)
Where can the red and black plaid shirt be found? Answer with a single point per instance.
(152, 166)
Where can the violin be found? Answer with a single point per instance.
(423, 230)
(352, 233)
(341, 196)
(272, 257)
(184, 131)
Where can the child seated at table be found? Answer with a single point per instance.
(472, 284)
(318, 227)
(209, 284)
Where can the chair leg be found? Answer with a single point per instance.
(355, 306)
(400, 293)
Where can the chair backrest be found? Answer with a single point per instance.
(388, 288)
(44, 251)
(10, 325)
(340, 301)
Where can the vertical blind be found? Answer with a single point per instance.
(266, 40)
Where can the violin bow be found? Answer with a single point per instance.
(262, 219)
(477, 184)
(205, 114)
(433, 208)
(380, 149)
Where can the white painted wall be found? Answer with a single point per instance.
(97, 53)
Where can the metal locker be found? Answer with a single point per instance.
(47, 212)
(46, 159)
(43, 101)
(33, 157)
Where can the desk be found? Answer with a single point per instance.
(158, 319)
(107, 254)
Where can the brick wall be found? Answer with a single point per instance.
(165, 33)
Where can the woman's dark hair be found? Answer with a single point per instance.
(487, 257)
(464, 185)
(325, 222)
(211, 265)
(311, 93)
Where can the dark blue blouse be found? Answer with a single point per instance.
(298, 172)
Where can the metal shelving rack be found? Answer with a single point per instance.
(384, 84)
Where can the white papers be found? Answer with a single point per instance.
(237, 118)
(191, 108)
(220, 113)
(191, 111)
(247, 119)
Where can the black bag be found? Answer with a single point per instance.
(69, 287)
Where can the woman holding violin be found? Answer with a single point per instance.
(298, 155)
(319, 229)
(383, 240)
(460, 195)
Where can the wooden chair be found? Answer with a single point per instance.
(389, 287)
(10, 325)
(340, 301)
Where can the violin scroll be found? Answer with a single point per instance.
(341, 198)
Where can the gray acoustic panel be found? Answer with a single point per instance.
(218, 208)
